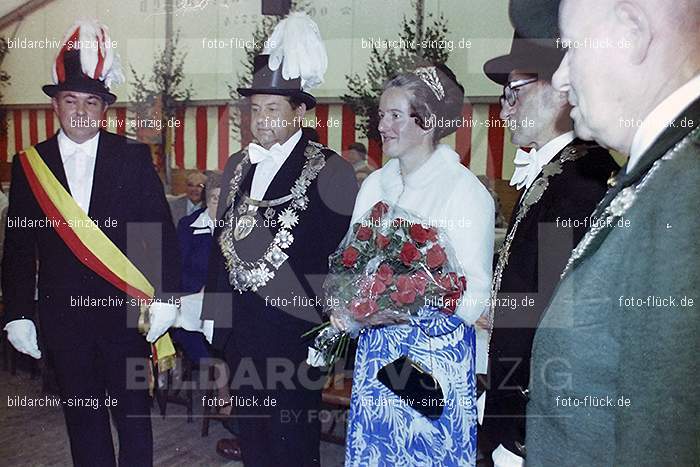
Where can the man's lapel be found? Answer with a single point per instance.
(107, 166)
(665, 142)
(52, 157)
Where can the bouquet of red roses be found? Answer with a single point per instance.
(390, 267)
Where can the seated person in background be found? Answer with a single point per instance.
(192, 200)
(356, 154)
(194, 235)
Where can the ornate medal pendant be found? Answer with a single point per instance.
(244, 226)
(251, 276)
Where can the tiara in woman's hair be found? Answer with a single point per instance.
(428, 74)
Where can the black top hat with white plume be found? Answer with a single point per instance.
(293, 61)
(86, 62)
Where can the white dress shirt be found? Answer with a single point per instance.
(268, 163)
(79, 165)
(528, 165)
(661, 117)
(447, 195)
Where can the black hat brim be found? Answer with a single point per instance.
(497, 69)
(537, 58)
(52, 89)
(305, 97)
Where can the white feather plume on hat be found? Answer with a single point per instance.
(296, 44)
(96, 48)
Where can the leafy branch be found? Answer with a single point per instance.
(364, 91)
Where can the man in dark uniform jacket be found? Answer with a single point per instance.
(614, 376)
(89, 326)
(561, 179)
(285, 206)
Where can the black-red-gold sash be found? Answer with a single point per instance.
(87, 242)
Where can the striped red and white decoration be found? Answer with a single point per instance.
(204, 139)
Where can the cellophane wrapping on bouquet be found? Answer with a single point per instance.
(392, 266)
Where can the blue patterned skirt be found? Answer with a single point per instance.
(383, 431)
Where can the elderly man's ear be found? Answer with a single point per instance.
(563, 97)
(635, 30)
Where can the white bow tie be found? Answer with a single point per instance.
(258, 153)
(527, 168)
(71, 149)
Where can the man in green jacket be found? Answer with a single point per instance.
(615, 358)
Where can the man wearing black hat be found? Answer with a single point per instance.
(79, 203)
(615, 358)
(285, 205)
(561, 179)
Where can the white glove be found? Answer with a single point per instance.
(162, 316)
(22, 335)
(480, 406)
(504, 458)
(190, 313)
(208, 329)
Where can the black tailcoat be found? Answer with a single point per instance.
(260, 332)
(270, 322)
(92, 346)
(542, 244)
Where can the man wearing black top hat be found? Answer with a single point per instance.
(285, 205)
(86, 301)
(561, 179)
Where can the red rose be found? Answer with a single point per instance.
(432, 234)
(378, 210)
(436, 257)
(350, 256)
(382, 241)
(405, 291)
(450, 282)
(462, 283)
(409, 253)
(444, 282)
(420, 280)
(361, 309)
(385, 274)
(364, 233)
(450, 303)
(378, 287)
(420, 234)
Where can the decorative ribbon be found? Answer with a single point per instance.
(87, 242)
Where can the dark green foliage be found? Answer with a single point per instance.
(166, 83)
(364, 90)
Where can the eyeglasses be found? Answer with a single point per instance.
(510, 91)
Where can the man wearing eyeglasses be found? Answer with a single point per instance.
(560, 179)
(193, 199)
